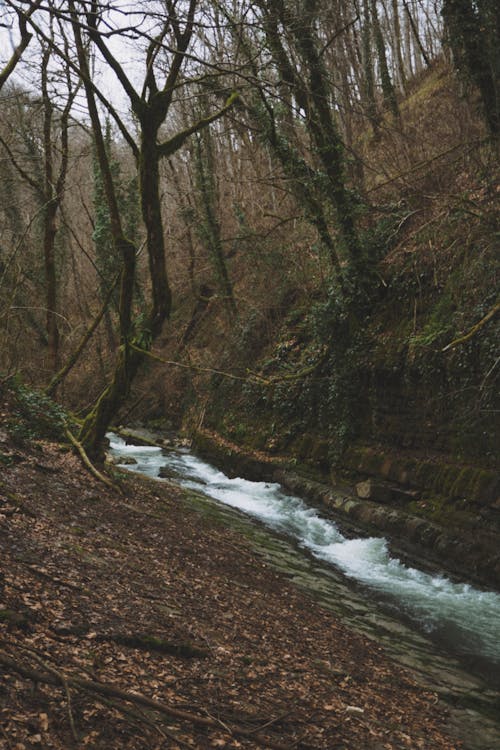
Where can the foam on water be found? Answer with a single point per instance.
(472, 616)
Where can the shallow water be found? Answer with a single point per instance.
(448, 632)
(471, 617)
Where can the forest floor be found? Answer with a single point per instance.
(129, 620)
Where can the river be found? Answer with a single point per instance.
(447, 631)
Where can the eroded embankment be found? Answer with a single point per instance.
(439, 514)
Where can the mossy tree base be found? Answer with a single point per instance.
(97, 422)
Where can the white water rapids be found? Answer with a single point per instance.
(457, 612)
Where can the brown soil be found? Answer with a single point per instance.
(88, 576)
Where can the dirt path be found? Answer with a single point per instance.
(140, 593)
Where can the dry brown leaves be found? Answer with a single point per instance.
(80, 564)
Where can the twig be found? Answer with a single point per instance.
(298, 741)
(270, 722)
(337, 34)
(53, 677)
(253, 377)
(140, 716)
(495, 363)
(73, 359)
(221, 723)
(62, 678)
(421, 164)
(2, 730)
(230, 375)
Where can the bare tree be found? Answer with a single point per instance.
(45, 173)
(22, 20)
(151, 106)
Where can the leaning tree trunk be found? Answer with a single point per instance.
(151, 109)
(98, 420)
(209, 229)
(53, 192)
(134, 343)
(326, 136)
(388, 90)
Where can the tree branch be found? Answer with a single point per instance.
(73, 359)
(25, 40)
(87, 81)
(22, 172)
(171, 146)
(54, 677)
(474, 329)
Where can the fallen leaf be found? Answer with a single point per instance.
(44, 722)
(354, 710)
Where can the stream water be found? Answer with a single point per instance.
(448, 632)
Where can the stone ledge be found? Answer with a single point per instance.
(455, 481)
(476, 559)
(471, 551)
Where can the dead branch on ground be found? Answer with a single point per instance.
(58, 678)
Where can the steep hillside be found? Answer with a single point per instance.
(415, 365)
(400, 386)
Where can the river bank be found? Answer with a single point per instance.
(385, 496)
(139, 591)
(447, 633)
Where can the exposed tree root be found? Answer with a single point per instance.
(55, 677)
(140, 717)
(64, 681)
(88, 463)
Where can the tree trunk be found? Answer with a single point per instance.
(369, 80)
(49, 237)
(421, 54)
(385, 77)
(149, 187)
(98, 420)
(326, 137)
(209, 229)
(398, 43)
(474, 37)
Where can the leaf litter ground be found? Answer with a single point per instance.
(170, 611)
